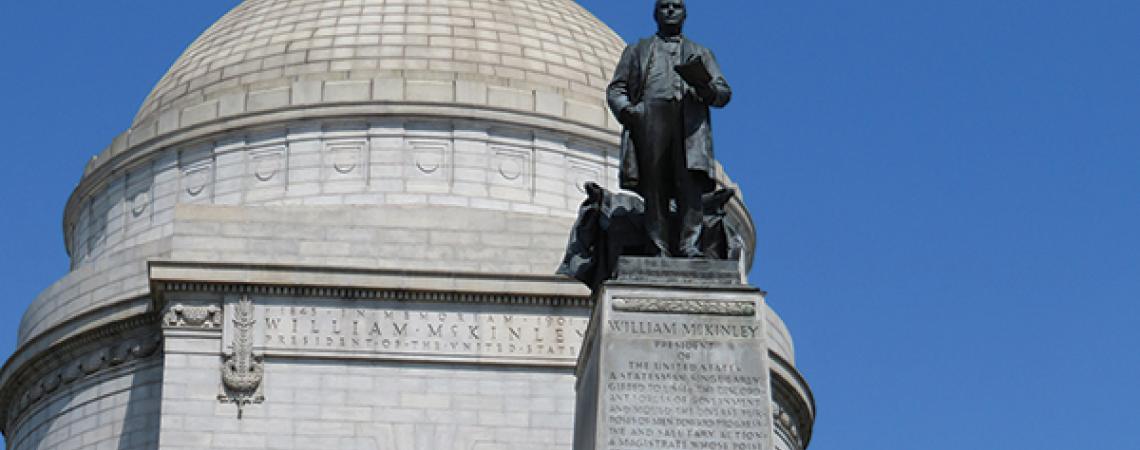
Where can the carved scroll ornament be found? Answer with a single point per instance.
(181, 316)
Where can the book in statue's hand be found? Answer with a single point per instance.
(694, 71)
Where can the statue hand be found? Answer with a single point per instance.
(706, 93)
(595, 193)
(632, 114)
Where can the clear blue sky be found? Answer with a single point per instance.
(947, 193)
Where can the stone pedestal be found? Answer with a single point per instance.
(675, 357)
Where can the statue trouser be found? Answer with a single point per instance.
(664, 176)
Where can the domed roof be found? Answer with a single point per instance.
(430, 135)
(551, 46)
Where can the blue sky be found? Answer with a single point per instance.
(947, 193)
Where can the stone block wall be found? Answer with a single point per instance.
(373, 163)
(119, 279)
(399, 237)
(116, 410)
(476, 394)
(312, 404)
(318, 395)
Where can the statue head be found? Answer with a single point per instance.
(670, 16)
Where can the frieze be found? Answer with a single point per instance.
(82, 366)
(686, 306)
(182, 316)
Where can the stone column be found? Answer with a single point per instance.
(676, 357)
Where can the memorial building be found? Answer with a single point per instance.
(335, 225)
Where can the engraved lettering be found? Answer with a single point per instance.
(418, 330)
(685, 384)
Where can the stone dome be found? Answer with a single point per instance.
(430, 135)
(547, 56)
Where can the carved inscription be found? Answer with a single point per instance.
(411, 331)
(685, 384)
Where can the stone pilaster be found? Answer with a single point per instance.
(192, 338)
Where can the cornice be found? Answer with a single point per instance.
(356, 283)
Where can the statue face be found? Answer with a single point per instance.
(670, 14)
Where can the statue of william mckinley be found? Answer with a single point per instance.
(661, 93)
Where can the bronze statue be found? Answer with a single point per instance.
(661, 92)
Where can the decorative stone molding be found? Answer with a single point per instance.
(377, 294)
(182, 316)
(242, 372)
(80, 360)
(685, 306)
(785, 422)
(793, 410)
(696, 272)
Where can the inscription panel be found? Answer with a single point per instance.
(372, 329)
(683, 381)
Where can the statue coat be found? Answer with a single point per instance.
(627, 88)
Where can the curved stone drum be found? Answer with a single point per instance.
(339, 220)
